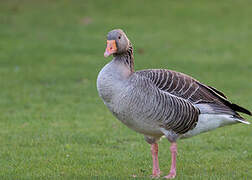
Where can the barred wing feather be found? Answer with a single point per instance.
(184, 86)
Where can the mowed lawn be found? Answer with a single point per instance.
(53, 125)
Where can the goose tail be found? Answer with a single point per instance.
(242, 121)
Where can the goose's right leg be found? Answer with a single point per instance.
(172, 173)
(172, 137)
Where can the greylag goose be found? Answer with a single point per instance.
(160, 102)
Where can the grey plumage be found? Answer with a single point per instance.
(157, 98)
(193, 91)
(160, 102)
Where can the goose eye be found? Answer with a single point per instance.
(119, 37)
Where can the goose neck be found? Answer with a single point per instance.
(127, 59)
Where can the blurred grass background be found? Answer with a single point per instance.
(53, 125)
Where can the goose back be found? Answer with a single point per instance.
(206, 98)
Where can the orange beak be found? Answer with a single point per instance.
(111, 48)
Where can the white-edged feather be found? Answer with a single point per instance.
(207, 122)
(242, 121)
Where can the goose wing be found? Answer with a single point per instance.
(207, 98)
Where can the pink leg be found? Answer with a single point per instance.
(172, 173)
(154, 152)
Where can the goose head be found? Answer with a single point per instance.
(117, 43)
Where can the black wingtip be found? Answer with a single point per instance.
(218, 92)
(238, 108)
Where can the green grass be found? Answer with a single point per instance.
(53, 125)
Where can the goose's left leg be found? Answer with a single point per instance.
(154, 152)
